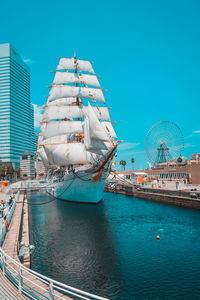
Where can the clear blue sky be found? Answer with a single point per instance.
(146, 52)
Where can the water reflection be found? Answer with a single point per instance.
(74, 244)
(111, 249)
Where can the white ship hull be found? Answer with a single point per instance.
(79, 188)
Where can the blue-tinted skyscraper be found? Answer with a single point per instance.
(16, 110)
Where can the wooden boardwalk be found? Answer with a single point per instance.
(11, 239)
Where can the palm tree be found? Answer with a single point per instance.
(132, 161)
(123, 164)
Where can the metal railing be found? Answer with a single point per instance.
(31, 283)
(9, 215)
(28, 185)
(37, 286)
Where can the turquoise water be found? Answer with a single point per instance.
(111, 249)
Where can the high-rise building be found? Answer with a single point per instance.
(16, 110)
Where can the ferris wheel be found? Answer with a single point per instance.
(164, 142)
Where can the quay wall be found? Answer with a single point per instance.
(177, 198)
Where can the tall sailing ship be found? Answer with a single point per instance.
(77, 140)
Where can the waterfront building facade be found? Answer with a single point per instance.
(27, 166)
(188, 172)
(16, 110)
(195, 157)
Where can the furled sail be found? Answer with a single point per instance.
(72, 91)
(64, 77)
(73, 111)
(72, 64)
(67, 154)
(55, 128)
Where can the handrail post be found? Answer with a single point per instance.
(4, 263)
(51, 292)
(20, 283)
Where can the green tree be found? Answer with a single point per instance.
(6, 170)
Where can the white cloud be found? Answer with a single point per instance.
(28, 61)
(188, 145)
(196, 131)
(37, 115)
(127, 146)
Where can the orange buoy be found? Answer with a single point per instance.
(158, 237)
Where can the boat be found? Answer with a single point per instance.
(77, 142)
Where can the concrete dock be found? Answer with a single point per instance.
(180, 198)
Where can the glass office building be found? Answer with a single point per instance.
(16, 110)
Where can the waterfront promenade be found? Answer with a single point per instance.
(7, 289)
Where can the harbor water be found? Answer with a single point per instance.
(111, 249)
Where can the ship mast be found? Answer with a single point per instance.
(76, 71)
(77, 99)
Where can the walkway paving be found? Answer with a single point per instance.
(11, 239)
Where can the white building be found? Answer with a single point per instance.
(27, 166)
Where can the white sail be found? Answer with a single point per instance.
(43, 156)
(108, 126)
(62, 112)
(40, 139)
(93, 145)
(85, 66)
(55, 128)
(102, 113)
(95, 136)
(72, 91)
(97, 131)
(73, 111)
(89, 146)
(58, 139)
(64, 77)
(67, 154)
(69, 63)
(62, 101)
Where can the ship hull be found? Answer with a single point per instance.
(81, 189)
